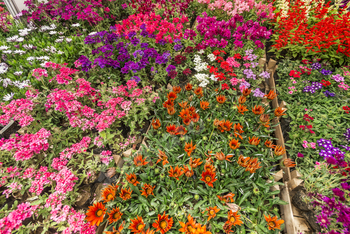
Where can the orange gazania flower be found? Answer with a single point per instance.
(243, 162)
(238, 129)
(180, 130)
(265, 120)
(246, 92)
(183, 104)
(227, 198)
(288, 163)
(202, 229)
(188, 87)
(171, 129)
(269, 144)
(204, 105)
(189, 147)
(199, 91)
(185, 114)
(258, 110)
(148, 231)
(156, 124)
(137, 225)
(208, 177)
(172, 96)
(225, 125)
(195, 163)
(190, 226)
(279, 150)
(227, 228)
(279, 111)
(221, 99)
(186, 121)
(163, 224)
(234, 144)
(114, 215)
(188, 172)
(242, 99)
(95, 214)
(273, 223)
(139, 161)
(221, 156)
(212, 212)
(132, 179)
(271, 95)
(147, 190)
(254, 140)
(233, 218)
(162, 157)
(168, 103)
(195, 117)
(242, 109)
(176, 173)
(176, 89)
(108, 194)
(253, 165)
(192, 110)
(119, 231)
(209, 167)
(171, 110)
(125, 194)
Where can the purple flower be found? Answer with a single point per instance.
(326, 72)
(265, 75)
(328, 94)
(124, 5)
(323, 220)
(338, 78)
(131, 34)
(300, 155)
(177, 47)
(316, 66)
(144, 45)
(135, 41)
(330, 202)
(337, 192)
(258, 93)
(170, 68)
(136, 78)
(345, 186)
(85, 63)
(347, 134)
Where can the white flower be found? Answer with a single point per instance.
(43, 64)
(203, 78)
(18, 73)
(7, 51)
(3, 68)
(199, 65)
(4, 47)
(61, 33)
(44, 28)
(28, 47)
(23, 34)
(6, 82)
(212, 77)
(59, 40)
(201, 52)
(76, 25)
(92, 33)
(60, 52)
(20, 39)
(69, 40)
(53, 26)
(52, 32)
(211, 57)
(19, 52)
(30, 58)
(43, 58)
(12, 39)
(8, 97)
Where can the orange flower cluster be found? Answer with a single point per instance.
(199, 92)
(254, 140)
(234, 144)
(211, 212)
(189, 147)
(192, 227)
(173, 130)
(223, 125)
(156, 124)
(139, 161)
(176, 173)
(169, 103)
(208, 177)
(273, 223)
(238, 129)
(188, 114)
(233, 219)
(108, 193)
(251, 165)
(271, 95)
(221, 156)
(279, 150)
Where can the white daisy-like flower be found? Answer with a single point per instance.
(12, 39)
(60, 33)
(61, 37)
(92, 33)
(44, 28)
(211, 57)
(19, 52)
(23, 34)
(8, 97)
(60, 52)
(20, 39)
(68, 40)
(75, 25)
(4, 47)
(7, 51)
(43, 64)
(201, 52)
(18, 73)
(52, 32)
(3, 68)
(59, 40)
(31, 26)
(6, 82)
(212, 77)
(28, 47)
(53, 26)
(43, 58)
(30, 58)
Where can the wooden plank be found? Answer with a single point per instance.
(287, 210)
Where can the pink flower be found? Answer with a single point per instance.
(294, 82)
(290, 92)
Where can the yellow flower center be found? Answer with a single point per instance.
(109, 196)
(140, 226)
(99, 213)
(163, 224)
(190, 229)
(208, 178)
(232, 219)
(176, 175)
(149, 191)
(211, 212)
(116, 215)
(272, 224)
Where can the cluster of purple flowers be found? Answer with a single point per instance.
(211, 29)
(257, 93)
(326, 72)
(312, 89)
(328, 94)
(316, 66)
(178, 46)
(347, 134)
(330, 153)
(338, 78)
(249, 73)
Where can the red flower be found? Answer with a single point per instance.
(237, 56)
(294, 73)
(325, 83)
(346, 109)
(225, 86)
(308, 118)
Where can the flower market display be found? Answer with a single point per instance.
(129, 116)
